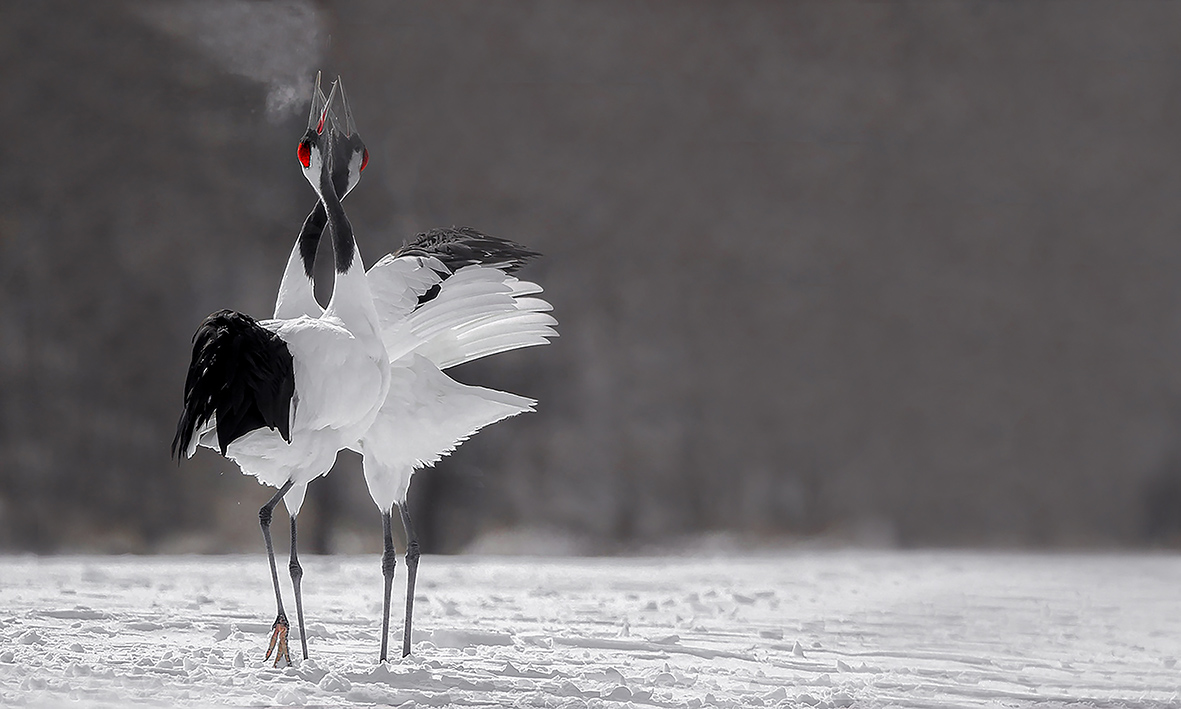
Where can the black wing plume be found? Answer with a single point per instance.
(241, 372)
(463, 246)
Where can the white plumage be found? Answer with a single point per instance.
(339, 385)
(478, 311)
(426, 415)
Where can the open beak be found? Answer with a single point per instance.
(327, 107)
(318, 104)
(320, 107)
(350, 127)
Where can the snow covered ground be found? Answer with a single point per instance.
(827, 629)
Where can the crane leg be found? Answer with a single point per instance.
(279, 629)
(297, 576)
(412, 555)
(388, 562)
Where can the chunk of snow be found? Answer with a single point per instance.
(334, 682)
(775, 695)
(290, 696)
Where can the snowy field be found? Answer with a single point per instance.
(824, 629)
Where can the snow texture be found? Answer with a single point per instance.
(831, 629)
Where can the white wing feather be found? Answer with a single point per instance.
(488, 336)
(397, 283)
(480, 311)
(425, 416)
(334, 375)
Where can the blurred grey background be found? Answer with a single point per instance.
(868, 273)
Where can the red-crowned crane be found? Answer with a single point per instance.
(282, 397)
(446, 298)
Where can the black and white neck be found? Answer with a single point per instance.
(344, 156)
(319, 153)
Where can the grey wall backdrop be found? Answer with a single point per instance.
(867, 272)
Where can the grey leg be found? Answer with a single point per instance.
(411, 573)
(296, 577)
(279, 629)
(388, 561)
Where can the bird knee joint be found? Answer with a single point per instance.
(412, 553)
(388, 561)
(296, 570)
(264, 516)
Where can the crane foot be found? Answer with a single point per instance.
(279, 640)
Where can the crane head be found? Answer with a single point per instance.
(315, 149)
(332, 156)
(347, 144)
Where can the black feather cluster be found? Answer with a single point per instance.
(241, 372)
(463, 246)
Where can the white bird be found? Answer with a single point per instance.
(446, 298)
(282, 397)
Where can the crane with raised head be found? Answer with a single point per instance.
(282, 397)
(445, 298)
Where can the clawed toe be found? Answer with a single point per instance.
(279, 641)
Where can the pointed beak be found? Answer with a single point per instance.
(323, 116)
(320, 107)
(350, 127)
(318, 103)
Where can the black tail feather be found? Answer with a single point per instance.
(242, 373)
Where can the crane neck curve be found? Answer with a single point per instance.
(340, 230)
(309, 238)
(352, 301)
(297, 290)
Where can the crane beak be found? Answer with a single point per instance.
(350, 127)
(327, 109)
(318, 104)
(320, 107)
